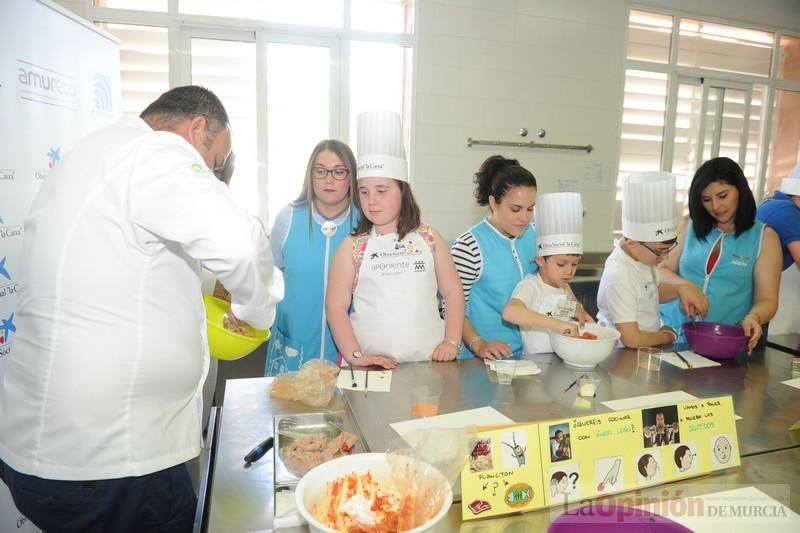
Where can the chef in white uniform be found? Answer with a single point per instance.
(101, 402)
(629, 293)
(544, 300)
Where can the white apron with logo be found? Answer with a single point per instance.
(537, 340)
(395, 309)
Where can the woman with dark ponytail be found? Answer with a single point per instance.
(494, 255)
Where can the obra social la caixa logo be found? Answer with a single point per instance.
(9, 230)
(7, 327)
(7, 285)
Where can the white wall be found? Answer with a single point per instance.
(487, 69)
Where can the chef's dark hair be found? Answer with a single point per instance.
(183, 103)
(727, 171)
(497, 175)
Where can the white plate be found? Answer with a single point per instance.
(524, 367)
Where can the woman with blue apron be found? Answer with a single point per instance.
(304, 238)
(732, 257)
(494, 255)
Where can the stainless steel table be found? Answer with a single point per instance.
(242, 499)
(789, 342)
(767, 407)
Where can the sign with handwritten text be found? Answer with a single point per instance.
(529, 466)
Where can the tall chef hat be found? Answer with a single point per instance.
(791, 183)
(648, 207)
(559, 224)
(380, 146)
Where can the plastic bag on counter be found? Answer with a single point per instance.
(425, 466)
(314, 384)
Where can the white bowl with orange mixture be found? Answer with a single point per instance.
(359, 493)
(595, 345)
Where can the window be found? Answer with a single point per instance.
(290, 73)
(712, 100)
(144, 61)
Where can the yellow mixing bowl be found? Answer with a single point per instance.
(225, 344)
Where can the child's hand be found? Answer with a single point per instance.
(445, 351)
(383, 361)
(492, 349)
(570, 329)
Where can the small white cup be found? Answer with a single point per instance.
(505, 369)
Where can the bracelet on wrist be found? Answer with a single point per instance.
(758, 318)
(454, 343)
(470, 343)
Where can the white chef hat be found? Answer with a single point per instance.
(380, 146)
(791, 183)
(559, 224)
(648, 207)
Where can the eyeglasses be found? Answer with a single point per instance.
(663, 251)
(338, 173)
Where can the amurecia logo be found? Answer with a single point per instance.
(46, 86)
(101, 97)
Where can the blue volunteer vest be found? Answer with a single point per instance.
(300, 322)
(730, 286)
(505, 262)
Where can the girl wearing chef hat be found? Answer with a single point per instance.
(630, 290)
(734, 258)
(392, 266)
(782, 213)
(544, 300)
(304, 238)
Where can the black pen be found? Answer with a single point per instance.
(258, 452)
(688, 364)
(571, 385)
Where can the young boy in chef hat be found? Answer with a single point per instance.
(544, 300)
(392, 266)
(630, 290)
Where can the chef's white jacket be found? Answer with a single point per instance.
(105, 375)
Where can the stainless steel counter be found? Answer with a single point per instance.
(242, 499)
(767, 407)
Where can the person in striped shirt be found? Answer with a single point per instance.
(494, 255)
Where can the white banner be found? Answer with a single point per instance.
(59, 80)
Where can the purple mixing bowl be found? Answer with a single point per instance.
(605, 517)
(715, 339)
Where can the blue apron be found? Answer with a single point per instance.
(729, 287)
(505, 262)
(300, 332)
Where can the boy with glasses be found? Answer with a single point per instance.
(630, 291)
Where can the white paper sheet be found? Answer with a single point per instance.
(378, 380)
(638, 402)
(735, 511)
(696, 360)
(792, 383)
(482, 416)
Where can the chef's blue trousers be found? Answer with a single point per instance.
(161, 502)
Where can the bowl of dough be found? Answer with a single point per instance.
(226, 341)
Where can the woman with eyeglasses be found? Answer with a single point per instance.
(304, 238)
(732, 257)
